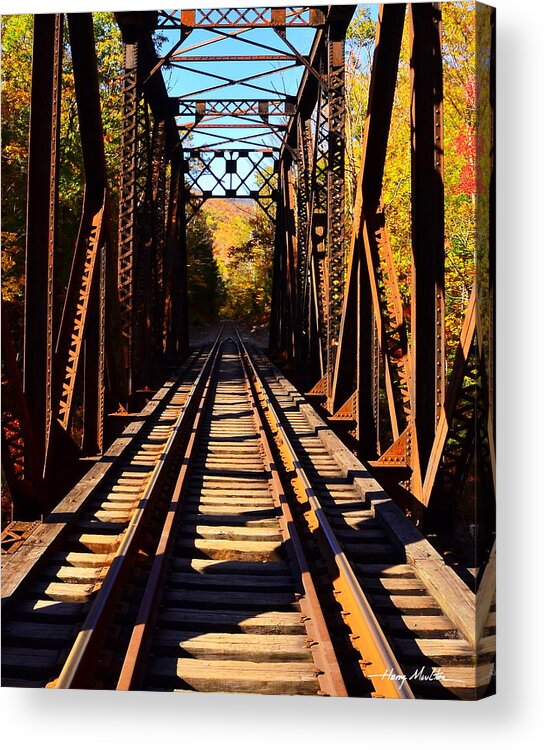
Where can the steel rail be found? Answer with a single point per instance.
(329, 673)
(137, 650)
(380, 663)
(81, 653)
(331, 680)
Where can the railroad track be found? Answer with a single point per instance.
(248, 560)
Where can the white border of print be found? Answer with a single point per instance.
(84, 720)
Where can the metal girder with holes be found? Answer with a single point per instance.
(233, 18)
(42, 216)
(228, 173)
(153, 326)
(86, 285)
(428, 241)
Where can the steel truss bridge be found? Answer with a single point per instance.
(337, 325)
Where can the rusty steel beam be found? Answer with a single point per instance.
(232, 107)
(336, 113)
(175, 316)
(147, 146)
(173, 59)
(304, 198)
(159, 169)
(239, 126)
(127, 204)
(41, 224)
(356, 365)
(227, 82)
(221, 165)
(235, 18)
(94, 364)
(84, 273)
(428, 242)
(288, 223)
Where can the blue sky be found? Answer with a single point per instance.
(278, 78)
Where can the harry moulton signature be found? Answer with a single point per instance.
(436, 673)
(420, 674)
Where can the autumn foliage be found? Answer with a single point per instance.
(460, 174)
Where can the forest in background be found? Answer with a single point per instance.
(230, 242)
(230, 248)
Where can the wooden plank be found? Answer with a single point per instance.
(42, 632)
(112, 516)
(222, 480)
(252, 647)
(383, 569)
(462, 679)
(234, 567)
(223, 549)
(392, 585)
(225, 599)
(82, 559)
(63, 592)
(346, 533)
(238, 533)
(229, 514)
(71, 574)
(214, 582)
(244, 622)
(50, 611)
(366, 551)
(101, 543)
(447, 649)
(454, 597)
(424, 626)
(235, 520)
(239, 676)
(418, 604)
(257, 501)
(25, 661)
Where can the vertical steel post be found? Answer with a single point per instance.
(176, 296)
(159, 208)
(336, 109)
(41, 228)
(79, 327)
(127, 204)
(427, 301)
(304, 211)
